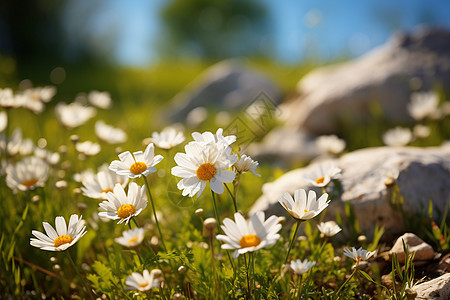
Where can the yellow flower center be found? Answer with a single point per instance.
(106, 191)
(62, 239)
(126, 210)
(249, 240)
(143, 285)
(138, 168)
(29, 182)
(320, 180)
(206, 171)
(132, 240)
(306, 210)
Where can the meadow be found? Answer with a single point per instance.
(169, 243)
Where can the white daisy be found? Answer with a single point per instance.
(201, 163)
(131, 238)
(8, 100)
(249, 236)
(109, 134)
(329, 229)
(122, 206)
(100, 99)
(61, 238)
(144, 282)
(168, 138)
(397, 137)
(52, 158)
(358, 255)
(208, 137)
(3, 120)
(88, 148)
(322, 175)
(27, 174)
(86, 174)
(140, 163)
(34, 98)
(245, 164)
(423, 105)
(98, 186)
(14, 142)
(421, 131)
(304, 207)
(330, 144)
(301, 267)
(74, 114)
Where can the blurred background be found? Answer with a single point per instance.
(152, 49)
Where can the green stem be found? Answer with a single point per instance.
(247, 273)
(299, 290)
(232, 197)
(293, 240)
(213, 263)
(216, 212)
(154, 213)
(79, 275)
(348, 279)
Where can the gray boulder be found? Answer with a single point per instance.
(367, 182)
(436, 289)
(387, 75)
(227, 85)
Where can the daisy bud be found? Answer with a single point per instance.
(61, 184)
(154, 241)
(182, 269)
(281, 220)
(61, 174)
(53, 259)
(199, 212)
(57, 267)
(177, 296)
(35, 198)
(76, 191)
(62, 149)
(362, 239)
(74, 138)
(209, 225)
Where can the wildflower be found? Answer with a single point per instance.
(74, 114)
(100, 184)
(329, 229)
(202, 163)
(3, 120)
(304, 207)
(144, 282)
(168, 138)
(421, 131)
(87, 174)
(88, 148)
(122, 206)
(323, 174)
(51, 158)
(245, 164)
(423, 105)
(301, 267)
(330, 144)
(61, 238)
(131, 238)
(249, 236)
(109, 134)
(397, 136)
(208, 137)
(8, 100)
(140, 163)
(27, 174)
(35, 98)
(11, 145)
(358, 255)
(100, 99)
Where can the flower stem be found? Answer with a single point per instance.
(348, 279)
(299, 290)
(79, 275)
(232, 197)
(216, 212)
(292, 241)
(154, 213)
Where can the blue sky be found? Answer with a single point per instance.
(323, 29)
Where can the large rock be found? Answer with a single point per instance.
(436, 289)
(367, 177)
(387, 75)
(227, 85)
(422, 251)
